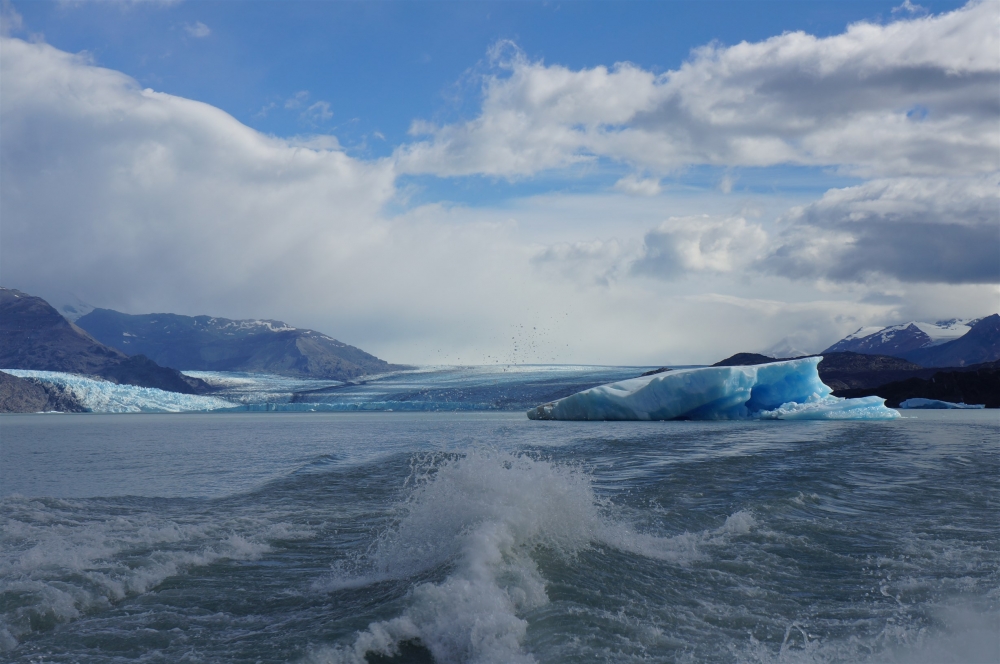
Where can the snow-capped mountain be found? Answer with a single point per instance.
(956, 342)
(896, 340)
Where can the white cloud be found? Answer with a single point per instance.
(297, 100)
(318, 112)
(163, 197)
(686, 245)
(10, 20)
(264, 110)
(630, 184)
(594, 262)
(910, 8)
(913, 97)
(726, 183)
(197, 29)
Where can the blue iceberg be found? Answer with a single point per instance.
(935, 404)
(790, 390)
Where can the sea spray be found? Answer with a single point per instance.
(482, 518)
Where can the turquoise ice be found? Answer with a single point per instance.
(790, 390)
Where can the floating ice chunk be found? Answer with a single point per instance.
(102, 396)
(831, 408)
(934, 404)
(779, 390)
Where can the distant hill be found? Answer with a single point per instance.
(978, 384)
(858, 370)
(205, 343)
(745, 360)
(33, 335)
(846, 370)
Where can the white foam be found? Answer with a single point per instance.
(483, 517)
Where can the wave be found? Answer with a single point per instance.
(61, 560)
(484, 517)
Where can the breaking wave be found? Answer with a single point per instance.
(481, 520)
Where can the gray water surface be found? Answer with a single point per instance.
(486, 537)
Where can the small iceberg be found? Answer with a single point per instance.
(790, 390)
(935, 404)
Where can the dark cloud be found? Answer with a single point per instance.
(913, 230)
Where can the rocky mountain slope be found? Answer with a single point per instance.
(33, 335)
(219, 344)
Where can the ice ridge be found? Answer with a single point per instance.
(790, 390)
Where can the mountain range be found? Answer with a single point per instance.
(902, 361)
(206, 343)
(33, 335)
(953, 343)
(133, 350)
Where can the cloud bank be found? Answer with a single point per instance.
(141, 201)
(913, 97)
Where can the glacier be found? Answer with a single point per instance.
(936, 404)
(790, 390)
(102, 396)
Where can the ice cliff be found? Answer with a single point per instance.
(789, 390)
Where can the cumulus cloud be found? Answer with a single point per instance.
(915, 96)
(911, 229)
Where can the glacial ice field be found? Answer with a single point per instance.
(936, 404)
(781, 390)
(102, 396)
(435, 388)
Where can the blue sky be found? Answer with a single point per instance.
(533, 137)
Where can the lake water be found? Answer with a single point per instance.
(486, 537)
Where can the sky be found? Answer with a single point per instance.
(478, 182)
